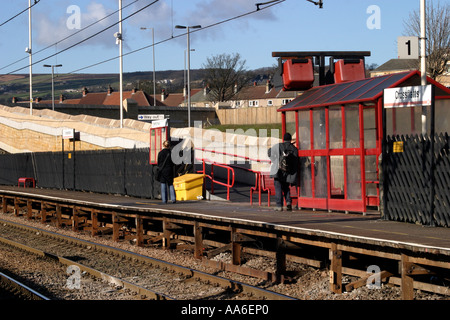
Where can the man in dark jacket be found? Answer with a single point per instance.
(166, 166)
(284, 170)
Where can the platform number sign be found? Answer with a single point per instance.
(408, 47)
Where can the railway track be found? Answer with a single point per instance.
(75, 267)
(12, 289)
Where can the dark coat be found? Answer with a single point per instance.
(167, 172)
(275, 156)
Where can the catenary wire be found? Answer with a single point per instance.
(69, 36)
(24, 10)
(87, 38)
(180, 35)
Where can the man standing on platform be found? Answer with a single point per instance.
(284, 170)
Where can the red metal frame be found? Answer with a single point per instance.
(229, 184)
(345, 204)
(157, 136)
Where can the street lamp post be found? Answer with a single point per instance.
(28, 50)
(184, 78)
(188, 67)
(423, 57)
(118, 36)
(154, 77)
(53, 84)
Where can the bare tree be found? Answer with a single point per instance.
(225, 75)
(438, 36)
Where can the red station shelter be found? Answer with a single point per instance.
(339, 131)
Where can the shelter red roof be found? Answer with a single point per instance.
(369, 89)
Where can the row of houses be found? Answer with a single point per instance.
(254, 96)
(251, 96)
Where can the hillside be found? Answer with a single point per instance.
(71, 85)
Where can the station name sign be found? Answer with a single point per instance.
(407, 96)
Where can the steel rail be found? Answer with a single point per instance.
(235, 286)
(31, 294)
(96, 273)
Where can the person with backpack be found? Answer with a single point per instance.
(165, 173)
(284, 168)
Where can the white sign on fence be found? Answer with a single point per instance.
(407, 97)
(150, 117)
(68, 133)
(160, 123)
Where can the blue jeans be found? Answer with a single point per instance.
(165, 189)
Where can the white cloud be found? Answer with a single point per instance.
(53, 29)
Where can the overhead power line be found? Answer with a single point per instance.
(272, 3)
(69, 36)
(266, 5)
(88, 38)
(24, 10)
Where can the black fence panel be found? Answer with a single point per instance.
(442, 180)
(139, 175)
(416, 183)
(125, 172)
(15, 166)
(48, 169)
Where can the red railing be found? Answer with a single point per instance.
(257, 186)
(230, 172)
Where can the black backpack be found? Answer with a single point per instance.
(288, 161)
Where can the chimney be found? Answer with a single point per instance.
(14, 99)
(268, 86)
(85, 91)
(61, 98)
(133, 91)
(163, 95)
(37, 100)
(110, 90)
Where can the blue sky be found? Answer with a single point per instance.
(290, 25)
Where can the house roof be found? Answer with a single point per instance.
(255, 92)
(140, 97)
(173, 99)
(398, 64)
(94, 98)
(369, 89)
(111, 99)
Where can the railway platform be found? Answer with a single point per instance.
(319, 238)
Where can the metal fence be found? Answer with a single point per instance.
(416, 179)
(125, 171)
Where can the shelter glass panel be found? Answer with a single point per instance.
(442, 115)
(352, 126)
(371, 175)
(305, 177)
(304, 131)
(370, 130)
(320, 181)
(290, 123)
(319, 128)
(335, 123)
(353, 177)
(337, 176)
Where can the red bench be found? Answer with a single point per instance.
(26, 182)
(267, 185)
